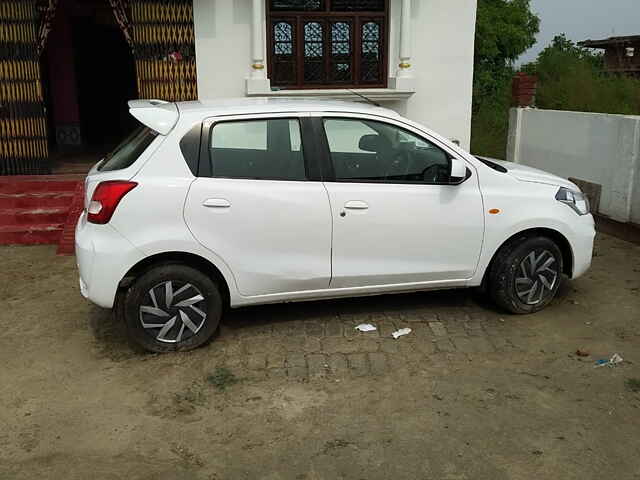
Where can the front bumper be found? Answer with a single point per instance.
(581, 240)
(103, 256)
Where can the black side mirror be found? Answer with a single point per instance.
(370, 143)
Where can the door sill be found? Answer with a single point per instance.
(330, 293)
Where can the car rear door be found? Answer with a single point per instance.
(397, 219)
(254, 206)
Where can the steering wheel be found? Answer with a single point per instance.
(395, 166)
(431, 174)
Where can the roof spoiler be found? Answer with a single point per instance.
(158, 115)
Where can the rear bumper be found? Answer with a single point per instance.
(104, 256)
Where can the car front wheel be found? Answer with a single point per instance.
(172, 307)
(526, 274)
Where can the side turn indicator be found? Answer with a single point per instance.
(494, 211)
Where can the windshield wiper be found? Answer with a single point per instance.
(496, 166)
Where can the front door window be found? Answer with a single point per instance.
(370, 151)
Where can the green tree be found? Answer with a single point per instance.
(504, 30)
(572, 78)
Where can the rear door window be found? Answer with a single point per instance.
(269, 149)
(129, 150)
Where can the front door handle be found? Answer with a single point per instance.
(216, 203)
(356, 205)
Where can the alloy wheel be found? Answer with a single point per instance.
(173, 311)
(537, 277)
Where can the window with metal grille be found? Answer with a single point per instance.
(327, 43)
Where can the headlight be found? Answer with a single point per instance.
(576, 200)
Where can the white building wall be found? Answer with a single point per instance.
(443, 47)
(599, 148)
(442, 42)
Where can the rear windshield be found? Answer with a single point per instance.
(129, 150)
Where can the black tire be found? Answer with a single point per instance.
(511, 282)
(181, 334)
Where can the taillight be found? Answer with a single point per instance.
(105, 199)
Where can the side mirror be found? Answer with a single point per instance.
(458, 171)
(370, 143)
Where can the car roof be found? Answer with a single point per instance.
(258, 105)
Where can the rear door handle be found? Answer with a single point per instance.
(216, 203)
(356, 205)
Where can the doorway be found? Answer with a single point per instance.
(88, 75)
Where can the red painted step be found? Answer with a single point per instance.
(38, 183)
(30, 234)
(35, 200)
(35, 208)
(33, 215)
(66, 244)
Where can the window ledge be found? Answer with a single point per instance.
(380, 94)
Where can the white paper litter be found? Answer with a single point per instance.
(615, 358)
(613, 361)
(366, 327)
(401, 332)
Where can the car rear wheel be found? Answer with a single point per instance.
(526, 274)
(172, 307)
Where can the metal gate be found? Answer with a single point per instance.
(164, 49)
(23, 135)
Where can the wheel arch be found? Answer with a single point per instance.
(190, 259)
(555, 235)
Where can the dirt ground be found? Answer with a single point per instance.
(293, 392)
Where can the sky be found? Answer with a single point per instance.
(582, 20)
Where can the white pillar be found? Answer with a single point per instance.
(404, 67)
(257, 82)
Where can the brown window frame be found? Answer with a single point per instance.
(356, 18)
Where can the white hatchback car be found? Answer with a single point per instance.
(240, 202)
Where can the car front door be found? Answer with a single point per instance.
(253, 206)
(397, 217)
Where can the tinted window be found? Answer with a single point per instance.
(259, 149)
(129, 150)
(366, 151)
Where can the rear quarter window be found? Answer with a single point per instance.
(129, 150)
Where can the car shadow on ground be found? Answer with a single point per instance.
(358, 308)
(112, 341)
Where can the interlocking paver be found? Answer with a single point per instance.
(306, 342)
(340, 345)
(438, 329)
(314, 329)
(358, 364)
(333, 328)
(378, 363)
(338, 364)
(318, 365)
(296, 360)
(276, 360)
(256, 361)
(444, 345)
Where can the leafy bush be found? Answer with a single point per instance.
(569, 78)
(572, 78)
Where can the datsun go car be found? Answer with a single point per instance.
(210, 205)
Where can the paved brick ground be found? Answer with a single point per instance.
(319, 340)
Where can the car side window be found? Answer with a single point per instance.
(369, 151)
(269, 149)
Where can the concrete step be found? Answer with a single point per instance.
(47, 233)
